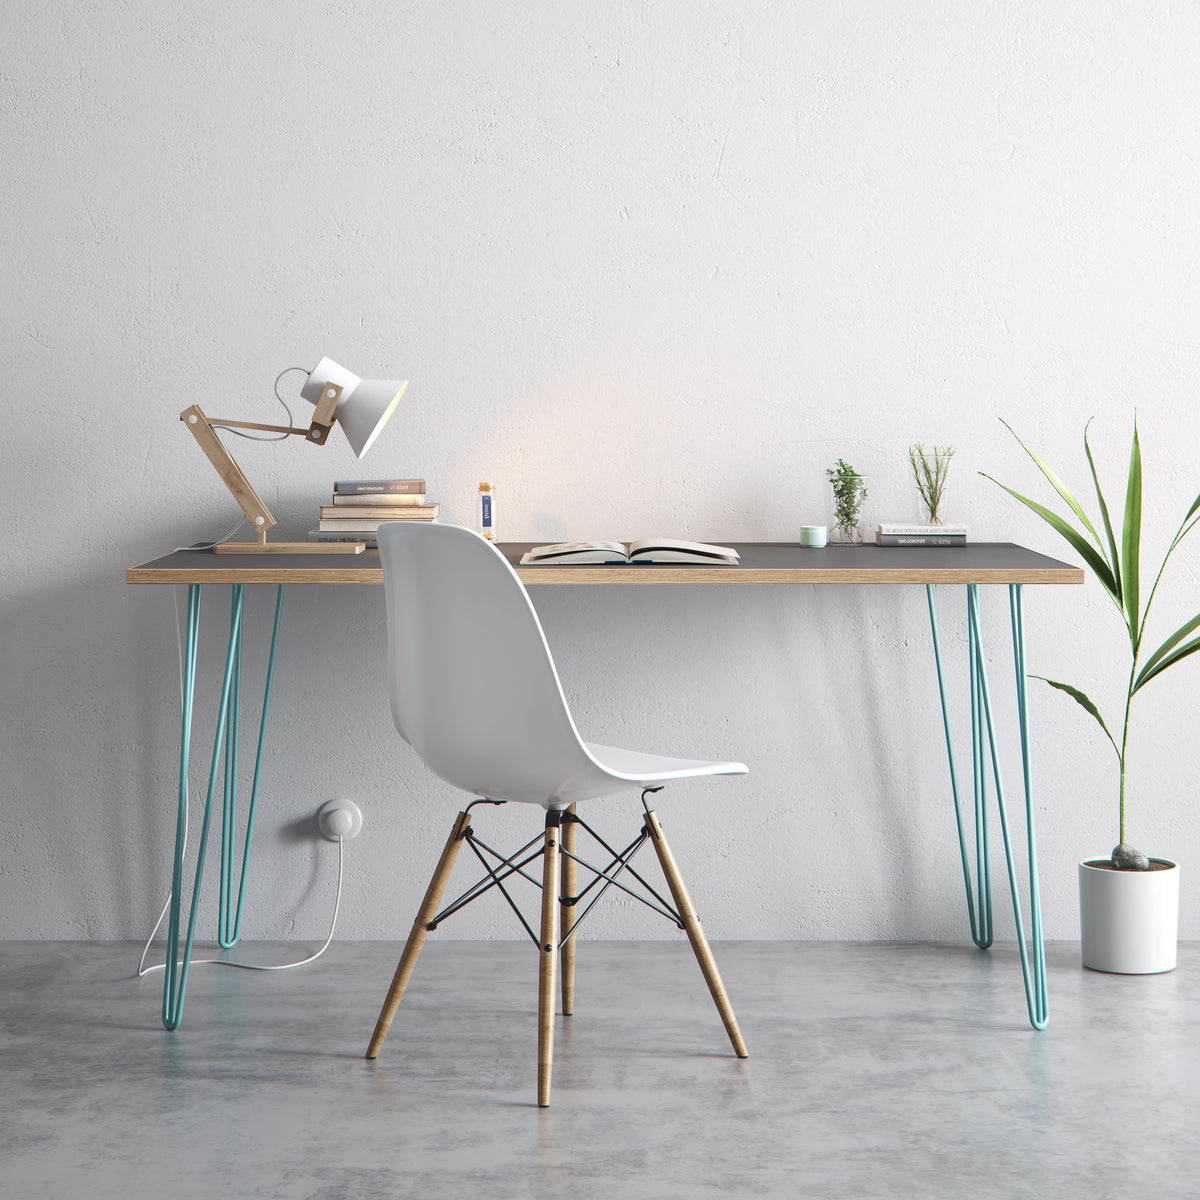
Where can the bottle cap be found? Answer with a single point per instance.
(485, 487)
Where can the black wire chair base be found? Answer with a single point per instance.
(500, 869)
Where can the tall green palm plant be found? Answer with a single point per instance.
(1116, 564)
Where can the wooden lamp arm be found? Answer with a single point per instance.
(231, 474)
(318, 431)
(221, 423)
(204, 428)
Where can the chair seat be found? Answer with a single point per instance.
(639, 767)
(597, 771)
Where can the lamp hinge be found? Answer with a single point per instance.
(323, 416)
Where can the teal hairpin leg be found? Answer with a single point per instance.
(983, 739)
(230, 915)
(176, 982)
(1035, 973)
(981, 924)
(979, 778)
(233, 721)
(175, 986)
(231, 906)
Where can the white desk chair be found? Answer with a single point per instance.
(475, 693)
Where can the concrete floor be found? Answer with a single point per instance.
(876, 1070)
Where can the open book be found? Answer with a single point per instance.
(648, 550)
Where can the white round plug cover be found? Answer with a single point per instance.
(339, 819)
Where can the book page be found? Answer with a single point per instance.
(678, 550)
(577, 552)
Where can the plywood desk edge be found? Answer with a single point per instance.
(276, 573)
(366, 570)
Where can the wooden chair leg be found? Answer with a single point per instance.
(691, 924)
(548, 956)
(420, 930)
(569, 883)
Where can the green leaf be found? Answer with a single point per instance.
(1184, 527)
(1166, 648)
(1131, 537)
(1083, 701)
(1057, 484)
(1153, 668)
(1108, 529)
(1086, 550)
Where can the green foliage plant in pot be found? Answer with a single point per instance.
(1129, 903)
(849, 492)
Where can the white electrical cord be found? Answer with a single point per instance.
(256, 437)
(210, 546)
(144, 970)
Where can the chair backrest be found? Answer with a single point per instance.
(473, 686)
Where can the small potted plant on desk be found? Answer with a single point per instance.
(1129, 903)
(930, 471)
(849, 492)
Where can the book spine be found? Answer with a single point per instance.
(321, 535)
(924, 530)
(391, 499)
(378, 512)
(903, 539)
(372, 487)
(357, 526)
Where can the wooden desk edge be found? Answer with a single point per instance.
(592, 576)
(277, 573)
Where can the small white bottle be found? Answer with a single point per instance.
(487, 511)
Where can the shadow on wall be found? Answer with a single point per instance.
(92, 716)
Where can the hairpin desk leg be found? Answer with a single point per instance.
(226, 936)
(230, 915)
(981, 917)
(176, 981)
(175, 986)
(1035, 972)
(983, 746)
(177, 964)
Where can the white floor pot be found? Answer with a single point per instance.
(1129, 920)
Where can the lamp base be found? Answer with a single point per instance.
(290, 548)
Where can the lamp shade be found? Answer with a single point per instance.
(365, 406)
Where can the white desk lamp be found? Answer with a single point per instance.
(360, 406)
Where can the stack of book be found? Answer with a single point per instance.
(360, 506)
(921, 535)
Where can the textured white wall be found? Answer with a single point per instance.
(651, 267)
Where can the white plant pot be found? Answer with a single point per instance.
(1129, 920)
